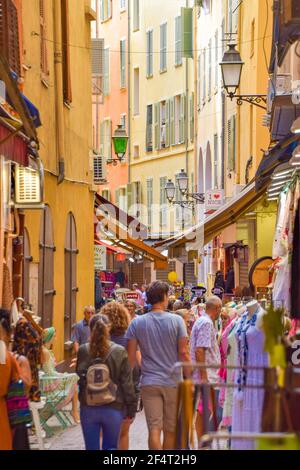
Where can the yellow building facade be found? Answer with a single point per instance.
(60, 244)
(230, 137)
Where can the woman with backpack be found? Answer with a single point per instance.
(106, 390)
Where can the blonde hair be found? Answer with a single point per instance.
(118, 317)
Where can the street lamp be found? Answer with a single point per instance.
(120, 141)
(182, 181)
(231, 67)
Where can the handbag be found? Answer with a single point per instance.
(18, 405)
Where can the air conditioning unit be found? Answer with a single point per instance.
(278, 86)
(28, 194)
(99, 169)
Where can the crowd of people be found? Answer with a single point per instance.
(125, 355)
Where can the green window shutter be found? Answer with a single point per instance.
(231, 143)
(187, 32)
(123, 63)
(182, 123)
(163, 47)
(157, 126)
(102, 10)
(118, 197)
(129, 192)
(149, 202)
(199, 80)
(234, 141)
(172, 121)
(149, 53)
(178, 46)
(108, 8)
(106, 72)
(192, 118)
(163, 201)
(167, 123)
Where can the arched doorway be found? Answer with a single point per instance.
(71, 288)
(46, 269)
(208, 168)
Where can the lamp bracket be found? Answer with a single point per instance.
(251, 99)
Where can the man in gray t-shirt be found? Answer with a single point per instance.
(163, 340)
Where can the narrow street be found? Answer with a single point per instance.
(72, 438)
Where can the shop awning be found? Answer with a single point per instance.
(112, 247)
(202, 233)
(13, 145)
(280, 153)
(17, 100)
(118, 227)
(121, 216)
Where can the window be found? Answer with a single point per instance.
(123, 121)
(150, 203)
(105, 10)
(192, 117)
(199, 80)
(209, 68)
(136, 199)
(204, 76)
(122, 5)
(123, 63)
(43, 43)
(164, 124)
(136, 151)
(231, 141)
(163, 47)
(217, 59)
(149, 53)
(163, 214)
(180, 119)
(65, 29)
(71, 288)
(136, 15)
(9, 35)
(233, 15)
(178, 45)
(149, 129)
(216, 158)
(106, 78)
(136, 92)
(252, 38)
(46, 269)
(105, 137)
(122, 202)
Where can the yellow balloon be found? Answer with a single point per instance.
(172, 276)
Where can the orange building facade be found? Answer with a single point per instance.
(110, 95)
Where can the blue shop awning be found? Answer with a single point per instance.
(280, 153)
(32, 109)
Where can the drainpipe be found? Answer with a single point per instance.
(59, 101)
(129, 92)
(187, 109)
(195, 110)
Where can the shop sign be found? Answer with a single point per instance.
(214, 199)
(131, 295)
(99, 258)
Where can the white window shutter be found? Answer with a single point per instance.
(157, 126)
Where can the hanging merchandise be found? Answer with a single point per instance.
(7, 289)
(248, 402)
(295, 291)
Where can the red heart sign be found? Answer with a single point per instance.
(217, 196)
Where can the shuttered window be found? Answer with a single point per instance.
(10, 35)
(178, 44)
(209, 68)
(65, 30)
(97, 56)
(217, 58)
(199, 80)
(106, 80)
(150, 203)
(71, 287)
(192, 117)
(105, 10)
(216, 158)
(46, 269)
(43, 42)
(149, 53)
(149, 129)
(204, 77)
(123, 63)
(163, 47)
(136, 15)
(231, 140)
(172, 121)
(182, 116)
(187, 32)
(163, 214)
(157, 126)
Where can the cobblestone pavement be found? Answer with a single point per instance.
(72, 438)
